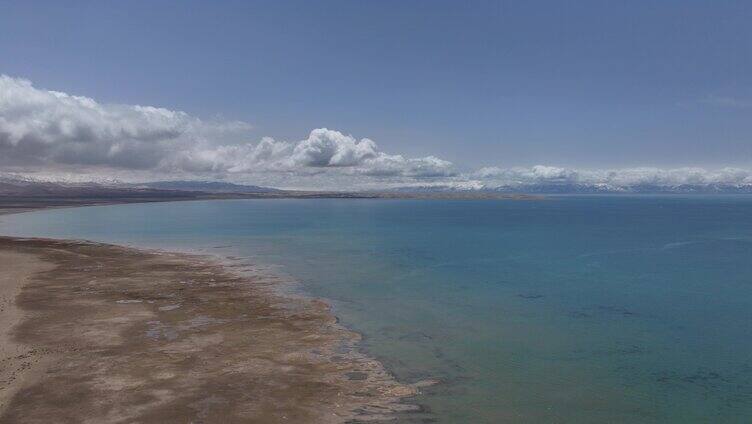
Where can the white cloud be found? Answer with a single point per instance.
(615, 178)
(394, 165)
(325, 147)
(53, 133)
(42, 129)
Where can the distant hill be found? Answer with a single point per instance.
(206, 187)
(15, 185)
(20, 186)
(23, 187)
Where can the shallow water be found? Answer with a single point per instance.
(573, 309)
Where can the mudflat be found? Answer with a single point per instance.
(105, 334)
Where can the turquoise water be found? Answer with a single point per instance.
(569, 310)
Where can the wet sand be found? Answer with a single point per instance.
(103, 334)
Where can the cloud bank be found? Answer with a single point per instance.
(41, 129)
(49, 133)
(612, 178)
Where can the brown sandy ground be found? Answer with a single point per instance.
(108, 334)
(15, 365)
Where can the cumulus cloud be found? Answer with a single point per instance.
(324, 151)
(41, 128)
(325, 147)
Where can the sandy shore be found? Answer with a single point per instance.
(99, 333)
(15, 367)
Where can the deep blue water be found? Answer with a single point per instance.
(568, 310)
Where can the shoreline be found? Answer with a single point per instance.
(199, 311)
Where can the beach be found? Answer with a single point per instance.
(99, 333)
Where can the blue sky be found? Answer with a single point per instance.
(576, 84)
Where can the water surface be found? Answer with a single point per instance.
(572, 309)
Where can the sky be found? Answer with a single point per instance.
(377, 92)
